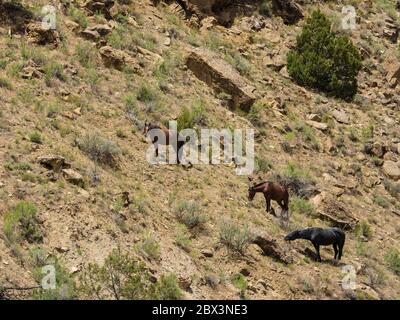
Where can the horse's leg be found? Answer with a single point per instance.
(340, 250)
(268, 202)
(316, 246)
(335, 247)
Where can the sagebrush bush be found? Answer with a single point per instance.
(235, 237)
(393, 260)
(189, 118)
(302, 206)
(21, 223)
(323, 60)
(99, 149)
(189, 213)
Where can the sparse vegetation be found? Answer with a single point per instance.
(122, 277)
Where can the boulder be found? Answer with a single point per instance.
(392, 73)
(101, 29)
(102, 6)
(341, 116)
(334, 211)
(376, 149)
(391, 30)
(37, 34)
(221, 76)
(391, 169)
(73, 177)
(118, 59)
(54, 162)
(290, 11)
(271, 248)
(317, 125)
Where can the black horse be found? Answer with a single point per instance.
(321, 237)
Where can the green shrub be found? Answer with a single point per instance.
(189, 118)
(167, 288)
(123, 277)
(302, 206)
(382, 202)
(151, 248)
(392, 187)
(239, 282)
(255, 113)
(35, 137)
(235, 237)
(363, 229)
(323, 60)
(262, 165)
(182, 239)
(21, 223)
(65, 286)
(393, 260)
(99, 149)
(189, 213)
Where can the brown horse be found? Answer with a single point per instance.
(153, 132)
(272, 191)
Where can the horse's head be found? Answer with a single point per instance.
(252, 193)
(293, 235)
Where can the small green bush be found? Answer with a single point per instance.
(189, 213)
(302, 206)
(65, 285)
(323, 60)
(151, 248)
(35, 137)
(99, 149)
(21, 224)
(382, 202)
(262, 165)
(363, 229)
(393, 260)
(189, 118)
(235, 237)
(167, 288)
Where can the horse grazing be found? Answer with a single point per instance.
(271, 191)
(321, 237)
(153, 132)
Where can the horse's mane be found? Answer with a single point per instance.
(259, 184)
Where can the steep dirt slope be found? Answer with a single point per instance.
(55, 96)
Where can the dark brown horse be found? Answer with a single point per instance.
(271, 191)
(153, 132)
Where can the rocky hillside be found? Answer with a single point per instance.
(75, 183)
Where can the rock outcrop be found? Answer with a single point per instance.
(54, 162)
(271, 248)
(39, 35)
(118, 59)
(290, 11)
(222, 77)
